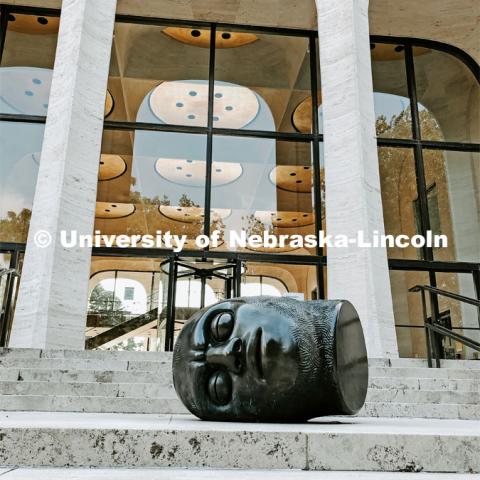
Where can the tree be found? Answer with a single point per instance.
(102, 301)
(14, 228)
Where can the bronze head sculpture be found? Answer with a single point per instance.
(270, 359)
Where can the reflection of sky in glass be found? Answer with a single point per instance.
(385, 104)
(256, 156)
(389, 105)
(23, 90)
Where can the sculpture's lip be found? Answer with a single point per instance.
(255, 353)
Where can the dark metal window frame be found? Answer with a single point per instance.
(416, 143)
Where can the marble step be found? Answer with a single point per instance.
(163, 375)
(421, 410)
(164, 367)
(85, 364)
(165, 357)
(395, 395)
(181, 441)
(160, 376)
(214, 474)
(121, 355)
(420, 372)
(172, 405)
(73, 403)
(90, 389)
(438, 384)
(421, 362)
(158, 391)
(162, 356)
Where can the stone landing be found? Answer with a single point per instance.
(208, 474)
(180, 441)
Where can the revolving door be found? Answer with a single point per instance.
(192, 285)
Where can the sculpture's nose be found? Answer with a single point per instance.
(228, 355)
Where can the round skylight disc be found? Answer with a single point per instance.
(201, 37)
(25, 90)
(292, 178)
(185, 102)
(285, 219)
(33, 24)
(192, 172)
(111, 166)
(192, 214)
(113, 210)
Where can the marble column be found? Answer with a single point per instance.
(353, 198)
(52, 302)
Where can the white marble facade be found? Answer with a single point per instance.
(51, 309)
(52, 302)
(353, 197)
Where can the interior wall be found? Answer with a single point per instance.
(450, 21)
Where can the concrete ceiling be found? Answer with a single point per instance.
(451, 21)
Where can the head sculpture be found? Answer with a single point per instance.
(270, 359)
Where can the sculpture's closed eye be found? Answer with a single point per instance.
(220, 388)
(222, 326)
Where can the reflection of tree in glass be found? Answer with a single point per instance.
(184, 201)
(102, 301)
(397, 171)
(131, 345)
(253, 226)
(14, 228)
(400, 126)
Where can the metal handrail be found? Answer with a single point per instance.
(434, 332)
(8, 271)
(446, 293)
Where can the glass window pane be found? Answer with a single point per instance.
(399, 197)
(455, 212)
(392, 103)
(151, 181)
(20, 147)
(262, 185)
(449, 96)
(27, 64)
(260, 80)
(277, 279)
(115, 322)
(458, 315)
(159, 74)
(407, 310)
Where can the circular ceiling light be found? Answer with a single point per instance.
(184, 102)
(201, 37)
(109, 104)
(108, 210)
(285, 219)
(272, 249)
(25, 90)
(111, 167)
(302, 115)
(391, 51)
(192, 172)
(293, 179)
(193, 214)
(33, 24)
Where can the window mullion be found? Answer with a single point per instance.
(208, 173)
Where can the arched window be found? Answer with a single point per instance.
(428, 126)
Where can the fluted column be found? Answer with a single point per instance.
(52, 302)
(353, 199)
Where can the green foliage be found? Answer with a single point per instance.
(14, 228)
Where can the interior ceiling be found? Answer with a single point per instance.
(451, 21)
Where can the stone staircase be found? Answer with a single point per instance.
(117, 410)
(140, 382)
